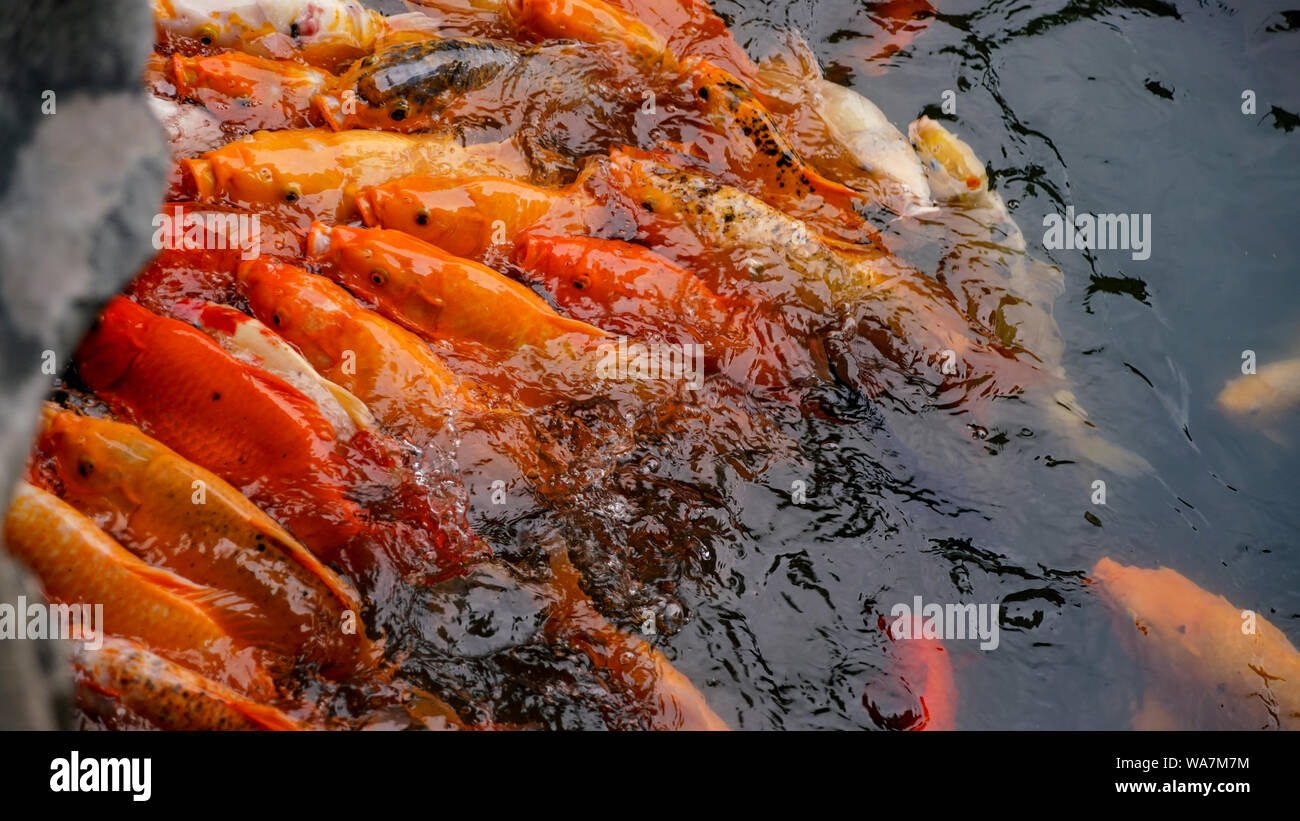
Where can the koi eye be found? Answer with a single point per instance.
(207, 34)
(581, 282)
(292, 193)
(398, 114)
(85, 467)
(422, 218)
(294, 30)
(275, 318)
(379, 276)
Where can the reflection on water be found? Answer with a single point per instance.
(763, 558)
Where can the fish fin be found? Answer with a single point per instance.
(265, 716)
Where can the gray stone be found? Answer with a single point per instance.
(78, 188)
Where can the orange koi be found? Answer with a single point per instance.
(469, 216)
(672, 701)
(393, 371)
(269, 440)
(411, 391)
(79, 563)
(303, 175)
(1238, 665)
(441, 296)
(170, 696)
(591, 21)
(919, 691)
(144, 495)
(250, 92)
(252, 429)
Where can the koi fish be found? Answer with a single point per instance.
(266, 438)
(624, 288)
(631, 290)
(468, 216)
(746, 250)
(318, 32)
(1266, 395)
(250, 428)
(77, 562)
(391, 369)
(248, 91)
(1235, 658)
(248, 340)
(757, 158)
(672, 701)
(918, 691)
(955, 172)
(842, 133)
(441, 296)
(411, 390)
(403, 87)
(308, 174)
(144, 495)
(170, 696)
(591, 21)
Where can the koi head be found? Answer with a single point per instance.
(463, 216)
(217, 73)
(306, 310)
(93, 459)
(239, 174)
(369, 262)
(400, 87)
(114, 340)
(565, 268)
(239, 77)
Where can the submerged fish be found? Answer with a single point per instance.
(671, 700)
(1238, 662)
(1266, 395)
(309, 174)
(917, 691)
(79, 563)
(250, 92)
(631, 290)
(170, 696)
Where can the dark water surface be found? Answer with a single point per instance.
(1129, 107)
